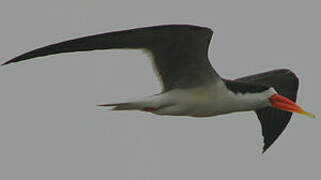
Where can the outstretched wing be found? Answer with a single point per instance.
(179, 51)
(274, 121)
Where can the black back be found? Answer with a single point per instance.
(244, 87)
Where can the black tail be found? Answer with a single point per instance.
(274, 121)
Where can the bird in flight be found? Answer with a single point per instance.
(191, 86)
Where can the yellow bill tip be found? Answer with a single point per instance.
(307, 114)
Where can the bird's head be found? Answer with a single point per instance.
(280, 102)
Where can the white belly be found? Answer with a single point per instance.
(206, 101)
(184, 103)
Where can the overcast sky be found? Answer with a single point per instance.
(50, 127)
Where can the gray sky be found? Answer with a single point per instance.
(50, 127)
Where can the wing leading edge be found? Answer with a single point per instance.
(179, 51)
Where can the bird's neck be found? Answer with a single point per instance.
(248, 96)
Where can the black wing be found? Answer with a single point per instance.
(179, 51)
(274, 121)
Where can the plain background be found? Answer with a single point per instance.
(50, 127)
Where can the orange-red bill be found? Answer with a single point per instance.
(285, 104)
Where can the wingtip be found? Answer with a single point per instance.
(5, 63)
(265, 148)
